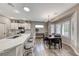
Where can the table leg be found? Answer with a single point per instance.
(61, 44)
(54, 45)
(49, 44)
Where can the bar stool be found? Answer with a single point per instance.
(28, 48)
(30, 40)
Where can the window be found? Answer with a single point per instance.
(39, 26)
(65, 28)
(58, 28)
(52, 28)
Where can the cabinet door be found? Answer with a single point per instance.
(20, 50)
(2, 30)
(14, 25)
(27, 25)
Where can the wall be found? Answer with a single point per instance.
(46, 28)
(74, 30)
(78, 28)
(49, 28)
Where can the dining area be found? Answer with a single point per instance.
(54, 40)
(52, 45)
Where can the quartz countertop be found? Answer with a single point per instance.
(8, 43)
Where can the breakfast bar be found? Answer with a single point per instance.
(13, 46)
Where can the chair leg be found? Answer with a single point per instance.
(44, 41)
(54, 45)
(59, 45)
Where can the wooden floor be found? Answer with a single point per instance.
(42, 49)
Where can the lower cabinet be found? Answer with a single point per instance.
(16, 51)
(9, 52)
(20, 50)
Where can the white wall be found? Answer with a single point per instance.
(49, 28)
(74, 30)
(78, 29)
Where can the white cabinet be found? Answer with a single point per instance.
(27, 25)
(20, 50)
(14, 25)
(19, 25)
(2, 30)
(16, 51)
(9, 52)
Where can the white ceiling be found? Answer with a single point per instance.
(38, 11)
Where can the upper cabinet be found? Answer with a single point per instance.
(15, 25)
(27, 25)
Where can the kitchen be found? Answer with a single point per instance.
(13, 36)
(23, 27)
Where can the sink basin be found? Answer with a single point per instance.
(13, 37)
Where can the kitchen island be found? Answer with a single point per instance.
(13, 46)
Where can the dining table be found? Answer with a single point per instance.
(53, 38)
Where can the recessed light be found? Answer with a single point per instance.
(26, 9)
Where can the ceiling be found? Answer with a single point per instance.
(38, 11)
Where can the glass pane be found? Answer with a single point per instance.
(52, 28)
(65, 28)
(58, 28)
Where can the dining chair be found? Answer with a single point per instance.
(57, 40)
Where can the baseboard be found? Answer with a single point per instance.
(76, 52)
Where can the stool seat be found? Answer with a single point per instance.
(26, 53)
(28, 46)
(30, 40)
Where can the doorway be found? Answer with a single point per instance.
(39, 29)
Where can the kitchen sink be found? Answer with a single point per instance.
(13, 37)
